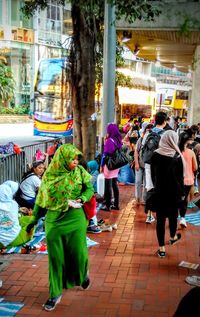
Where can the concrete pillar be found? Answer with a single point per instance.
(109, 64)
(194, 106)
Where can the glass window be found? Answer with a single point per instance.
(49, 23)
(1, 15)
(15, 13)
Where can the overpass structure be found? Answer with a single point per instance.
(173, 39)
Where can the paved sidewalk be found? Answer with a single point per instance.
(128, 279)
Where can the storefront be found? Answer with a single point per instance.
(17, 52)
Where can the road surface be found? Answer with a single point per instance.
(19, 133)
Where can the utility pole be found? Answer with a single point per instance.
(109, 65)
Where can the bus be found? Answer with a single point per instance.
(139, 100)
(173, 100)
(52, 114)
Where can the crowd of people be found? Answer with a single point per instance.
(165, 162)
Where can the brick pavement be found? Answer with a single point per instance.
(128, 279)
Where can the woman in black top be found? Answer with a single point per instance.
(167, 177)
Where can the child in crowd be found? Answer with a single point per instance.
(93, 169)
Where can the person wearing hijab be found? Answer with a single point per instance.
(12, 225)
(167, 175)
(64, 187)
(112, 143)
(93, 169)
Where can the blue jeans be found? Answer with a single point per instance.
(140, 191)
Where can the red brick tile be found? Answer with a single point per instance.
(128, 279)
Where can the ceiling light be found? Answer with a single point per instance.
(126, 36)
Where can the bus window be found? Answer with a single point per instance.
(181, 94)
(136, 111)
(52, 98)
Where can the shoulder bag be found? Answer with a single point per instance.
(116, 160)
(89, 208)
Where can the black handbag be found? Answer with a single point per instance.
(116, 160)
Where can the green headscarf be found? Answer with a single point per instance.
(59, 183)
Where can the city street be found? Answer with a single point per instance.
(19, 133)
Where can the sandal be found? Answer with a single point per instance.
(174, 241)
(161, 254)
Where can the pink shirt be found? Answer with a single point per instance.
(189, 174)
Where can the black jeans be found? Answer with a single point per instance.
(183, 205)
(111, 184)
(160, 226)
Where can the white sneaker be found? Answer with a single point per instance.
(105, 227)
(183, 222)
(150, 219)
(193, 280)
(114, 226)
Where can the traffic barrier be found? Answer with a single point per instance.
(13, 166)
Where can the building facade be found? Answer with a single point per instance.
(23, 42)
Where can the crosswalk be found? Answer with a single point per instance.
(193, 218)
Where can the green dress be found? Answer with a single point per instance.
(65, 227)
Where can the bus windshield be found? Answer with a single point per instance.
(51, 76)
(52, 96)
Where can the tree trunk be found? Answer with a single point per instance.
(83, 84)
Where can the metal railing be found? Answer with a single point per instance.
(13, 166)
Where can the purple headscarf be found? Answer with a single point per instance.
(113, 134)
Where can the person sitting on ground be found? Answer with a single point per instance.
(12, 224)
(30, 184)
(93, 169)
(167, 176)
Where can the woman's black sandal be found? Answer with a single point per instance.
(161, 254)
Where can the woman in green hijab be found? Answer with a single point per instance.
(65, 227)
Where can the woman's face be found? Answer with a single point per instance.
(39, 170)
(74, 163)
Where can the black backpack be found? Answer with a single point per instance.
(151, 144)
